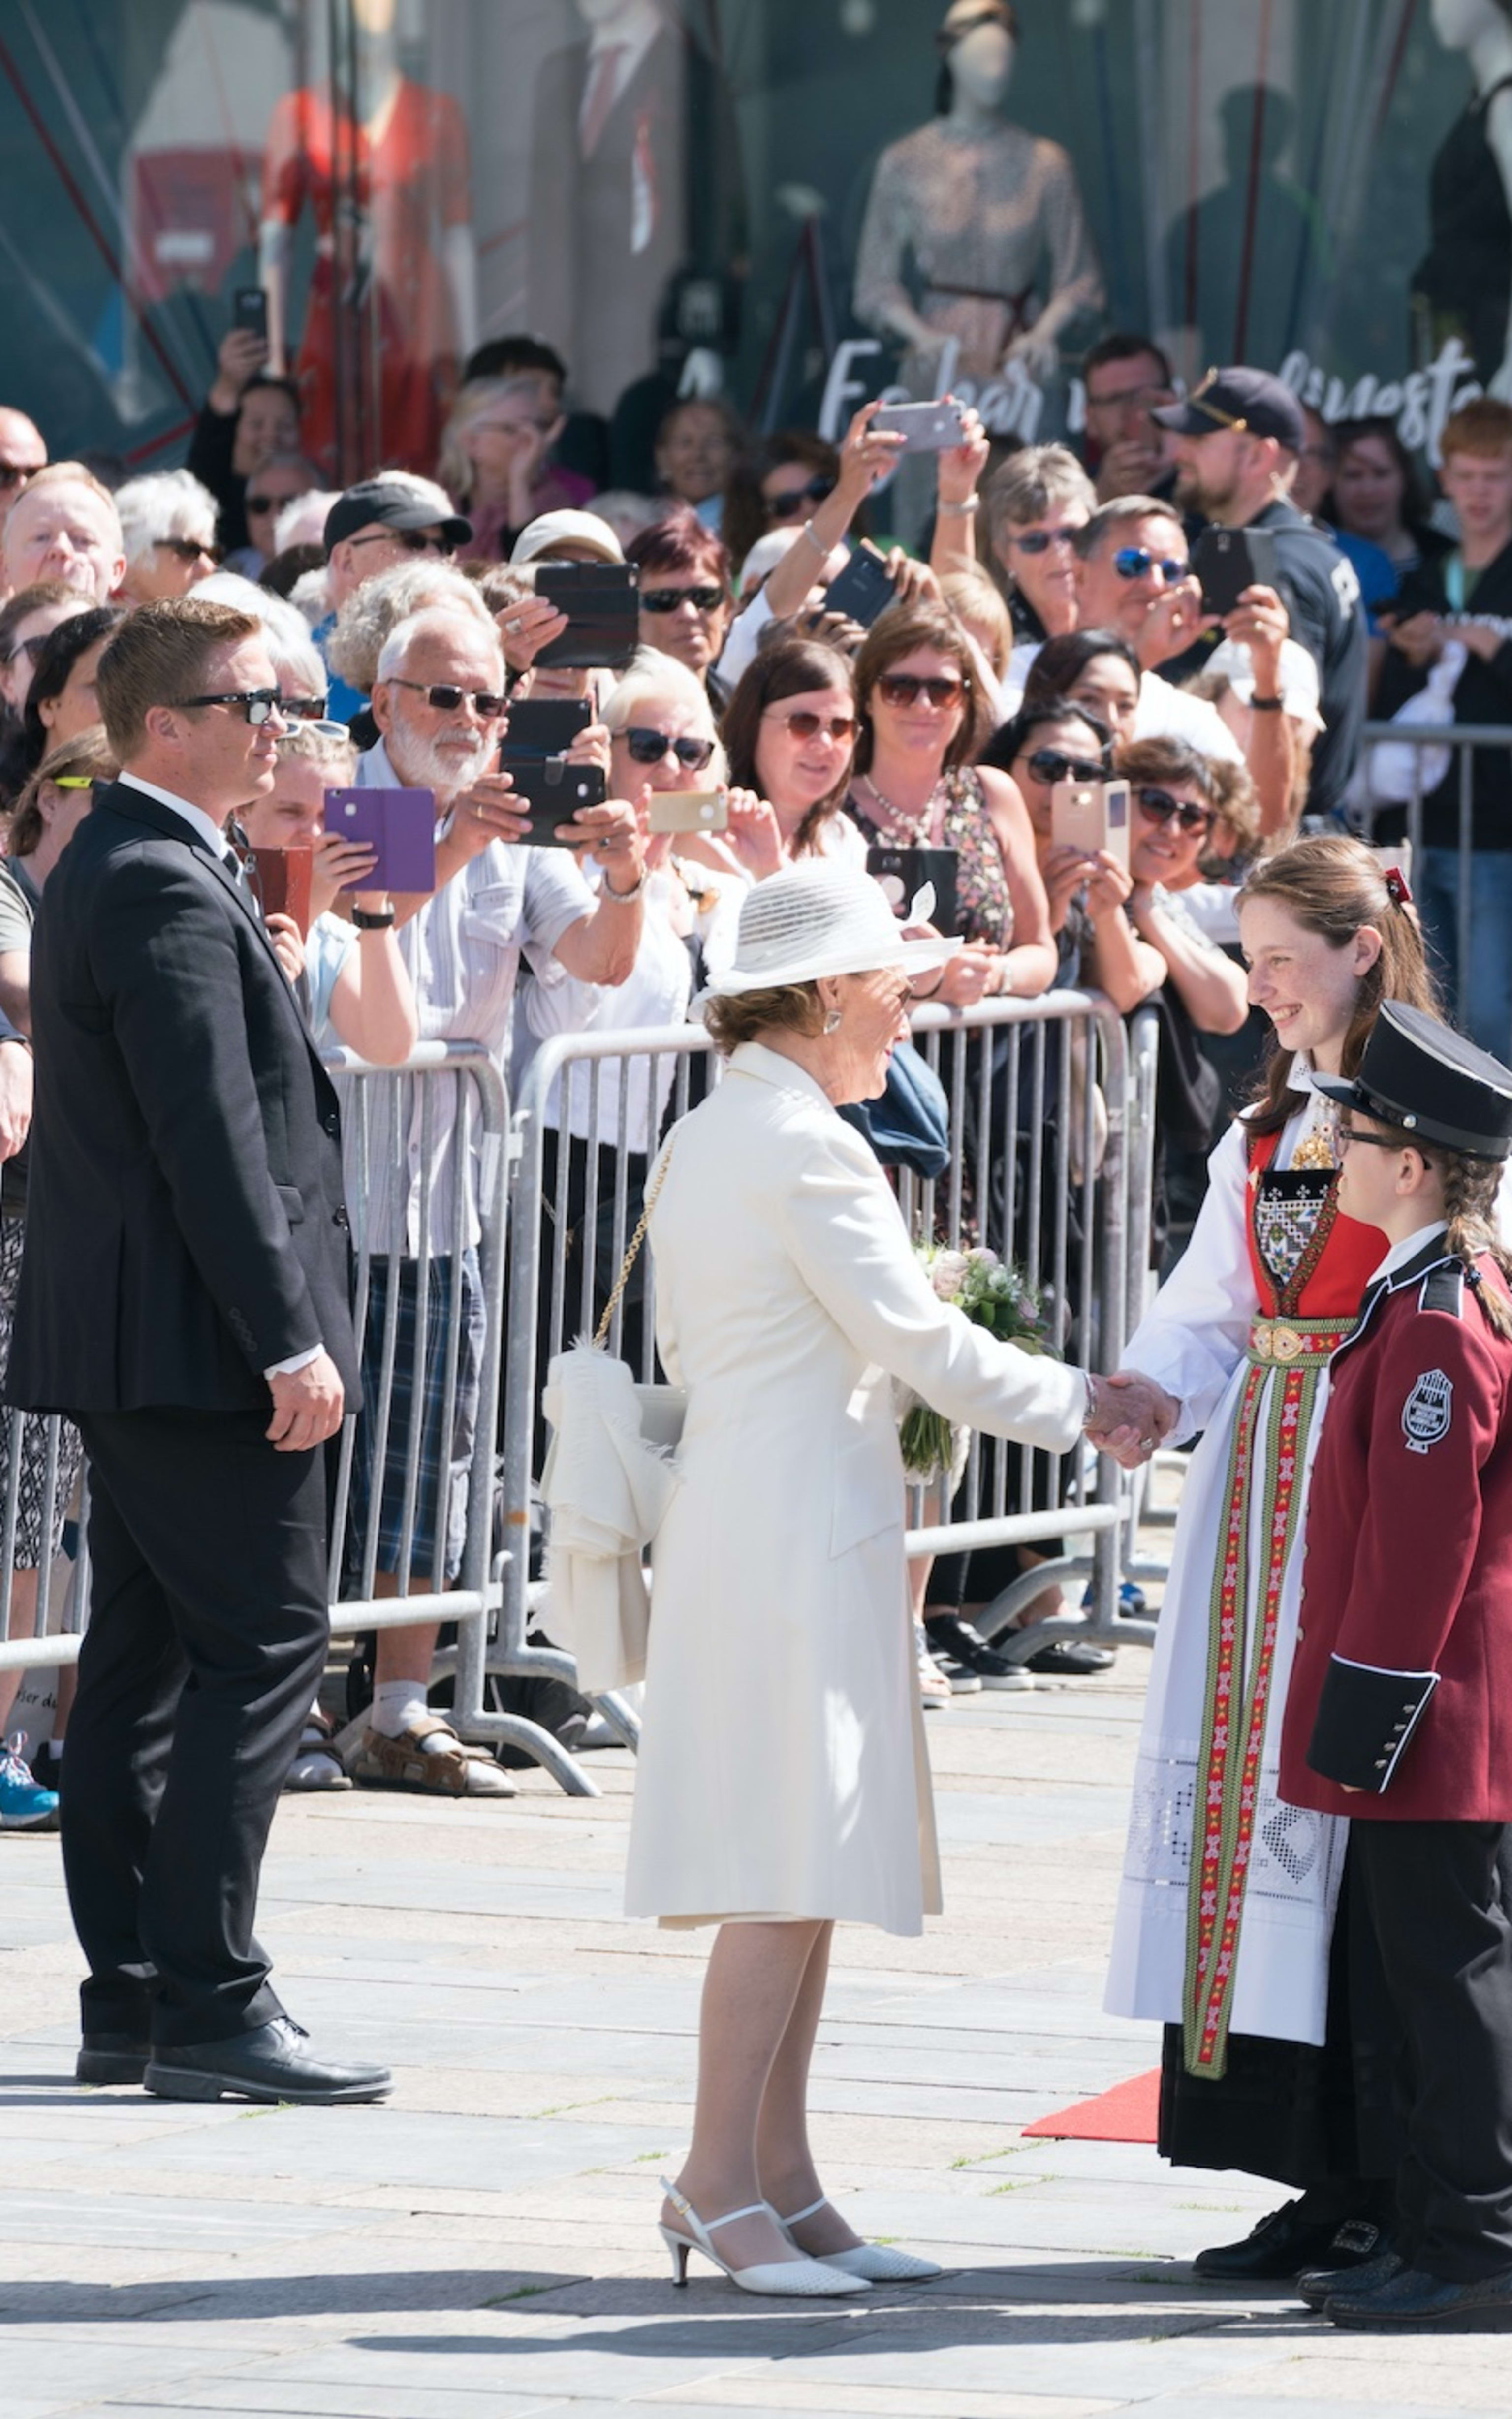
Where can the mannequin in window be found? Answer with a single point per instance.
(1463, 286)
(385, 175)
(990, 214)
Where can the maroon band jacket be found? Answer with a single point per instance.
(1402, 1681)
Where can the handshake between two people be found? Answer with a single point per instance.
(1130, 1416)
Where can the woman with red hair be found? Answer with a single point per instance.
(686, 597)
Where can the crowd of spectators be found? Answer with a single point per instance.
(1050, 627)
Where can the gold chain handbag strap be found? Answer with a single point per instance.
(632, 1251)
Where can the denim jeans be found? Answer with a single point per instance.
(1487, 1015)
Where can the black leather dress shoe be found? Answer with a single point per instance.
(1412, 2301)
(1283, 2244)
(1318, 2285)
(111, 2057)
(271, 2064)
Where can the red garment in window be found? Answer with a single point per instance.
(378, 359)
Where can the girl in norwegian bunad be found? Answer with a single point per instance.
(1237, 1926)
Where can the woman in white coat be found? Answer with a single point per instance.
(782, 1784)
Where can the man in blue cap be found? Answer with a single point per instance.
(1237, 441)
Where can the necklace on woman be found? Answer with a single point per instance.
(909, 831)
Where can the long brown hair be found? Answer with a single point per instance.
(895, 634)
(1336, 886)
(788, 667)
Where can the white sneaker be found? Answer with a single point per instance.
(933, 1687)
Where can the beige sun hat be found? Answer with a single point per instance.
(548, 530)
(815, 918)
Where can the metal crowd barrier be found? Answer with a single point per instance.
(1464, 740)
(1019, 1181)
(383, 1111)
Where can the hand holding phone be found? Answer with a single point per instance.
(1091, 817)
(1228, 561)
(602, 606)
(399, 823)
(688, 810)
(924, 427)
(249, 311)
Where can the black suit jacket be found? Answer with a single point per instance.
(186, 1225)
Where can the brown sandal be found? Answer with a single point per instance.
(452, 1770)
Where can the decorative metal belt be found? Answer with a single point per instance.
(1304, 1343)
(1287, 1358)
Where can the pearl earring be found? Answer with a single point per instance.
(832, 1021)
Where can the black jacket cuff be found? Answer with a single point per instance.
(1364, 1719)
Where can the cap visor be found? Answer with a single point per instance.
(1185, 419)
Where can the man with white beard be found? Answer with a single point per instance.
(438, 703)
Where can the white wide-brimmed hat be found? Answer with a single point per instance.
(817, 918)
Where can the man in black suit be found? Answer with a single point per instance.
(184, 1298)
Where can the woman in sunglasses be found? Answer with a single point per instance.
(1036, 503)
(1096, 945)
(790, 735)
(1173, 806)
(915, 786)
(778, 486)
(686, 599)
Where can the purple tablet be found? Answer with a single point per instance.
(399, 823)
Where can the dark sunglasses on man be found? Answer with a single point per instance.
(446, 697)
(257, 705)
(648, 747)
(791, 501)
(14, 474)
(413, 541)
(1137, 562)
(667, 600)
(1159, 806)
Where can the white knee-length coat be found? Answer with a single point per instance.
(782, 1771)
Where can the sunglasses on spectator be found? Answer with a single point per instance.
(1119, 398)
(1040, 541)
(31, 647)
(1137, 562)
(189, 549)
(1049, 766)
(274, 504)
(257, 705)
(13, 474)
(446, 697)
(413, 541)
(787, 505)
(1159, 806)
(667, 600)
(905, 688)
(648, 747)
(307, 709)
(805, 724)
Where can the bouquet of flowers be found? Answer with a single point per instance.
(992, 1296)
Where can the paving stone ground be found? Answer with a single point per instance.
(484, 2248)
